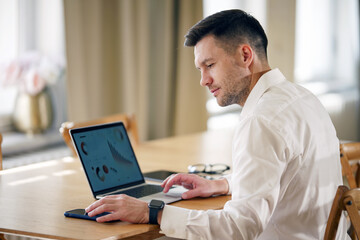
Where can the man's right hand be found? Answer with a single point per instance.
(198, 186)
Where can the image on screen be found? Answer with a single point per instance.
(107, 157)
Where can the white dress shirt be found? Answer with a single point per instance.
(285, 173)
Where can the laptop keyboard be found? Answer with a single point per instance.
(142, 191)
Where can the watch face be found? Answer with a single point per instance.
(156, 203)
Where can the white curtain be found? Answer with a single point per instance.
(128, 56)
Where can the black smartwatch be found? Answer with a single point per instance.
(154, 207)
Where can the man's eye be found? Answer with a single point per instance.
(210, 65)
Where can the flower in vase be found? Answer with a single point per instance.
(30, 73)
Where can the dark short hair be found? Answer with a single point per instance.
(230, 28)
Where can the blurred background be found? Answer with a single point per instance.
(86, 59)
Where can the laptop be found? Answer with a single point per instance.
(111, 166)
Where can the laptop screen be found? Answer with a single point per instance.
(107, 156)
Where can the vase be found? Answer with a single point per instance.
(33, 113)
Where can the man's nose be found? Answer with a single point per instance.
(205, 80)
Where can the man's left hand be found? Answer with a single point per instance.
(121, 207)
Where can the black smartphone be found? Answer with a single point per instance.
(158, 176)
(81, 213)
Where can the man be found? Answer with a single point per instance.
(286, 165)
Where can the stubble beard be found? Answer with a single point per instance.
(237, 91)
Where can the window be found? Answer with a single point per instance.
(327, 42)
(327, 58)
(8, 50)
(30, 26)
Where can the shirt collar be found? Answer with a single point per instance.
(267, 80)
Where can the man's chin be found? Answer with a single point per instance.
(221, 103)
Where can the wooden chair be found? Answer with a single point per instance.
(128, 120)
(350, 152)
(345, 200)
(1, 165)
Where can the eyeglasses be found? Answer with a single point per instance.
(217, 168)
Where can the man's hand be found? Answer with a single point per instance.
(198, 186)
(121, 207)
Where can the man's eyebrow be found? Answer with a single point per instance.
(206, 60)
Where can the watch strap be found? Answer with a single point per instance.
(154, 207)
(153, 215)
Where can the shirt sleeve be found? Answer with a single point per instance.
(258, 163)
(173, 221)
(228, 178)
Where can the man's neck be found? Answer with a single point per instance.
(256, 75)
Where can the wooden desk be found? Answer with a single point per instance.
(33, 198)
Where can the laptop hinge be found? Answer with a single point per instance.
(119, 190)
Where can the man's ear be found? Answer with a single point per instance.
(246, 54)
